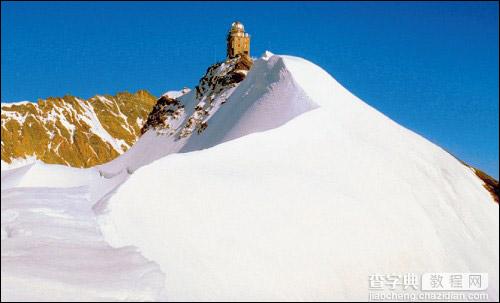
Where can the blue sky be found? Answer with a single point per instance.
(432, 67)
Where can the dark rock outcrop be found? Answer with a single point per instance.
(218, 78)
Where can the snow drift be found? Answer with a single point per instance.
(52, 246)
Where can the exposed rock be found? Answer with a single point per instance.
(168, 112)
(490, 183)
(165, 109)
(72, 131)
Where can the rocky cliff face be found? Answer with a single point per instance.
(72, 131)
(489, 183)
(169, 115)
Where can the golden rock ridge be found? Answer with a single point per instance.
(72, 131)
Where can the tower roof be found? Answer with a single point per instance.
(237, 26)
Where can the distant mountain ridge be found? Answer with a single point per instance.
(73, 131)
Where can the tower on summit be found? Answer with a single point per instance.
(238, 42)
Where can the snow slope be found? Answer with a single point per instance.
(303, 208)
(52, 246)
(268, 98)
(296, 190)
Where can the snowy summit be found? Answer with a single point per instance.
(268, 181)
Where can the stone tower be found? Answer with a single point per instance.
(238, 42)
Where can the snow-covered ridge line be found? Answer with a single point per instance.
(173, 121)
(9, 104)
(176, 93)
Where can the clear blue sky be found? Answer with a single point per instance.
(432, 67)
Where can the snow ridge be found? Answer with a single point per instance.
(269, 183)
(303, 187)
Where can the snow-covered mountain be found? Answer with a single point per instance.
(73, 131)
(269, 184)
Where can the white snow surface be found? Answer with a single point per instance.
(296, 190)
(52, 245)
(18, 162)
(177, 93)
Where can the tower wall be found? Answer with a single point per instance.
(238, 46)
(238, 42)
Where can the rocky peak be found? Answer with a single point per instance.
(169, 113)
